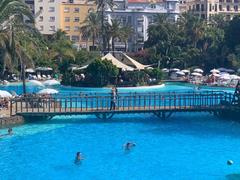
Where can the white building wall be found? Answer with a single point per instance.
(142, 15)
(47, 15)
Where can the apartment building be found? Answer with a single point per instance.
(68, 15)
(139, 14)
(72, 15)
(207, 8)
(47, 14)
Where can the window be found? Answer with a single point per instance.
(41, 19)
(51, 1)
(67, 19)
(75, 38)
(236, 1)
(76, 10)
(197, 7)
(221, 1)
(40, 8)
(52, 28)
(66, 9)
(52, 19)
(51, 9)
(67, 28)
(216, 7)
(153, 6)
(41, 28)
(202, 16)
(220, 8)
(76, 19)
(228, 1)
(235, 8)
(202, 7)
(76, 28)
(228, 8)
(210, 7)
(40, 1)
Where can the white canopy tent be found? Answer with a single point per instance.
(116, 62)
(134, 63)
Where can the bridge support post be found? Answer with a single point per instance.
(163, 115)
(104, 116)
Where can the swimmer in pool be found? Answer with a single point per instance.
(10, 131)
(78, 157)
(129, 145)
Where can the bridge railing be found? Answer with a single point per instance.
(124, 102)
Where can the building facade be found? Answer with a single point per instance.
(47, 15)
(207, 8)
(72, 16)
(67, 15)
(139, 14)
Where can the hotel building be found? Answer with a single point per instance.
(207, 8)
(67, 15)
(72, 16)
(139, 14)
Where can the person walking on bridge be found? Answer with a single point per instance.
(113, 98)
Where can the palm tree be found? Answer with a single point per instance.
(11, 24)
(126, 32)
(91, 27)
(61, 46)
(193, 27)
(102, 6)
(114, 31)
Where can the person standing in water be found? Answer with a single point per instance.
(78, 158)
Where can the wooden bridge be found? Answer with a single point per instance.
(160, 103)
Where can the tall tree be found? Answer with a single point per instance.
(115, 31)
(102, 6)
(12, 28)
(90, 27)
(125, 33)
(61, 47)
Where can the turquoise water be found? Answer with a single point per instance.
(186, 146)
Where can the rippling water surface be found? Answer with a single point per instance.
(186, 146)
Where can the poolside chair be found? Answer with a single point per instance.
(44, 77)
(39, 77)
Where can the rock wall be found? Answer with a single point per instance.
(12, 120)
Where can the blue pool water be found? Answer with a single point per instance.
(186, 146)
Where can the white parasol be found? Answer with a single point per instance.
(48, 91)
(51, 82)
(198, 70)
(4, 94)
(36, 83)
(196, 74)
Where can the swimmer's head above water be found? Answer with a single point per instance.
(129, 145)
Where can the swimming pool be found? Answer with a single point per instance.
(186, 146)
